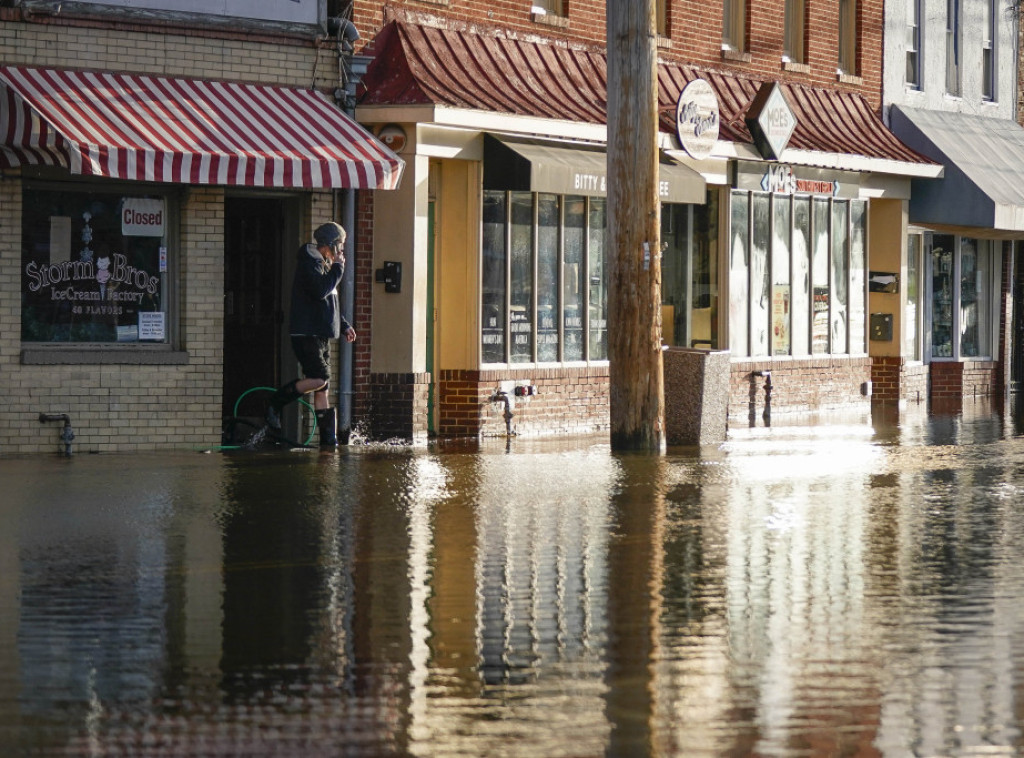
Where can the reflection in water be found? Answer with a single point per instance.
(849, 589)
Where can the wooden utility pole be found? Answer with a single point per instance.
(634, 229)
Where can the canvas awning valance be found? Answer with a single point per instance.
(189, 131)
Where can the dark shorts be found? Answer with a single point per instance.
(313, 354)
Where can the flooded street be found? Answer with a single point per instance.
(853, 588)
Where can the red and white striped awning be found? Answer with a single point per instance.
(187, 131)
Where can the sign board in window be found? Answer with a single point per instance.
(92, 263)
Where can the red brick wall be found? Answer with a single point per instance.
(894, 379)
(799, 385)
(568, 401)
(694, 33)
(363, 308)
(396, 407)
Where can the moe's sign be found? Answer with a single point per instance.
(771, 121)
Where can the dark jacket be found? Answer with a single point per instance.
(315, 308)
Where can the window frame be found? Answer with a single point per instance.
(794, 40)
(158, 351)
(821, 220)
(554, 8)
(989, 59)
(954, 49)
(588, 328)
(991, 280)
(915, 38)
(848, 51)
(734, 26)
(914, 287)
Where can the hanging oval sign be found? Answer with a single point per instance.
(697, 119)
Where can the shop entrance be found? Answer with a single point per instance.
(254, 234)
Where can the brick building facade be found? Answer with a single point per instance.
(449, 77)
(173, 389)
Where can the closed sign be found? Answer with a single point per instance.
(142, 217)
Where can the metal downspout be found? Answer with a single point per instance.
(347, 352)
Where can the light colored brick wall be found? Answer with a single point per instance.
(127, 407)
(121, 407)
(174, 52)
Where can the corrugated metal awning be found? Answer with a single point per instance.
(573, 169)
(189, 131)
(422, 65)
(983, 157)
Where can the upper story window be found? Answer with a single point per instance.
(661, 20)
(734, 25)
(793, 44)
(914, 44)
(848, 37)
(548, 7)
(988, 49)
(953, 42)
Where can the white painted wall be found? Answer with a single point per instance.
(932, 94)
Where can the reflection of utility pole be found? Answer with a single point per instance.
(636, 568)
(634, 339)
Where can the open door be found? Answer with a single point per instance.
(254, 234)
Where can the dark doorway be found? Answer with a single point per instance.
(254, 233)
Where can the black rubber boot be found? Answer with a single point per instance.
(279, 400)
(327, 423)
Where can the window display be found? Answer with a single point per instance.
(689, 274)
(94, 267)
(815, 259)
(547, 248)
(963, 271)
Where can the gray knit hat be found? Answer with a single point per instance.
(328, 234)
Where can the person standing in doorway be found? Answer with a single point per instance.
(315, 320)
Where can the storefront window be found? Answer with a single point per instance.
(739, 265)
(943, 294)
(840, 283)
(781, 328)
(814, 249)
(760, 298)
(689, 274)
(521, 279)
(800, 304)
(493, 288)
(94, 266)
(912, 314)
(820, 278)
(575, 225)
(858, 272)
(597, 299)
(556, 245)
(975, 297)
(548, 223)
(964, 278)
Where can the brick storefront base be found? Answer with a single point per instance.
(567, 401)
(397, 407)
(955, 381)
(800, 385)
(894, 379)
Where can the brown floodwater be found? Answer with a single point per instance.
(848, 587)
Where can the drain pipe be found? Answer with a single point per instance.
(502, 397)
(347, 352)
(66, 434)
